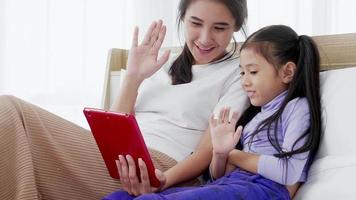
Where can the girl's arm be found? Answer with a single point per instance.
(249, 162)
(244, 160)
(282, 170)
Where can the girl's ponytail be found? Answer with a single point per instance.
(308, 67)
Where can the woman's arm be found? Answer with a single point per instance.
(193, 166)
(185, 170)
(142, 63)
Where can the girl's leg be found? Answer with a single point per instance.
(43, 156)
(235, 187)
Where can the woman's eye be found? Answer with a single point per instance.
(242, 73)
(196, 23)
(219, 28)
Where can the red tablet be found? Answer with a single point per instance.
(118, 134)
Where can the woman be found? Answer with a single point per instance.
(51, 158)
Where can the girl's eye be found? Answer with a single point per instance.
(253, 72)
(242, 73)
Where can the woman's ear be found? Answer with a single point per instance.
(287, 72)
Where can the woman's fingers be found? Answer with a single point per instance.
(135, 184)
(145, 181)
(163, 59)
(124, 175)
(161, 177)
(148, 35)
(135, 38)
(159, 40)
(156, 32)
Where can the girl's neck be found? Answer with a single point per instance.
(275, 102)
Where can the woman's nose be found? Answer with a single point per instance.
(205, 37)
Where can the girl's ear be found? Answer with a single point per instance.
(287, 72)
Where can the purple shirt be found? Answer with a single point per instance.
(295, 120)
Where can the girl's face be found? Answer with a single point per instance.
(209, 27)
(260, 79)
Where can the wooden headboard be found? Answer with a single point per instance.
(336, 51)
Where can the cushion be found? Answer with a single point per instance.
(331, 177)
(333, 172)
(338, 98)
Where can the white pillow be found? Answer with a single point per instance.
(333, 172)
(338, 98)
(331, 178)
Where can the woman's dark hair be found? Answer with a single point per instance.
(280, 44)
(181, 69)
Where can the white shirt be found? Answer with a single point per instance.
(173, 118)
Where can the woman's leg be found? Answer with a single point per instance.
(46, 157)
(43, 156)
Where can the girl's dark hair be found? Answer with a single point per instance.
(181, 69)
(280, 44)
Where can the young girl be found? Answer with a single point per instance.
(48, 157)
(280, 74)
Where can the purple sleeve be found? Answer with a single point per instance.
(295, 121)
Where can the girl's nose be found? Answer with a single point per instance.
(245, 81)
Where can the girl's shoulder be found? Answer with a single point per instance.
(297, 106)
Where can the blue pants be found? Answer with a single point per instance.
(234, 186)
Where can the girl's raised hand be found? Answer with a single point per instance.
(223, 135)
(143, 58)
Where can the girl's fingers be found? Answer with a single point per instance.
(212, 121)
(221, 116)
(227, 115)
(135, 38)
(149, 33)
(234, 118)
(237, 134)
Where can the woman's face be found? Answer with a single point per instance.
(209, 26)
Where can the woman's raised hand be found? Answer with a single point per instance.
(223, 135)
(130, 181)
(143, 58)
